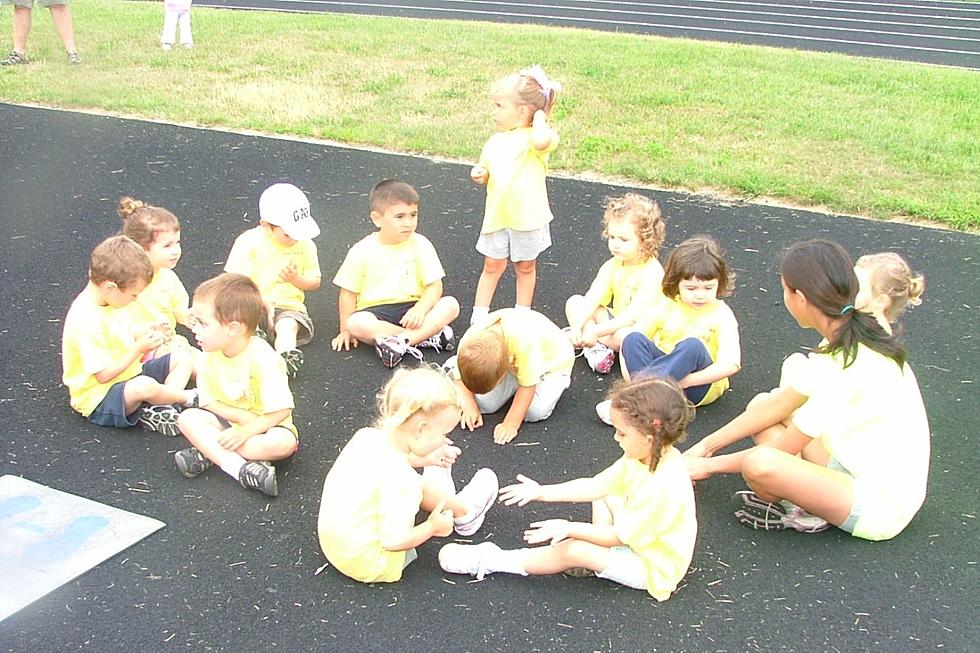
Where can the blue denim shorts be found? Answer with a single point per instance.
(111, 411)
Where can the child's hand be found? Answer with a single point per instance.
(344, 341)
(522, 493)
(232, 438)
(149, 341)
(479, 175)
(413, 318)
(444, 456)
(504, 433)
(472, 418)
(441, 520)
(289, 273)
(552, 531)
(588, 337)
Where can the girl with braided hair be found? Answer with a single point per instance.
(643, 523)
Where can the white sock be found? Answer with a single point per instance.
(508, 562)
(232, 465)
(522, 308)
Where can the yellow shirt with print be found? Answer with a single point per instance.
(629, 289)
(656, 516)
(871, 419)
(517, 197)
(159, 302)
(94, 338)
(714, 325)
(382, 274)
(371, 494)
(254, 380)
(261, 259)
(537, 346)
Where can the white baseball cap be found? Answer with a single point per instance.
(286, 206)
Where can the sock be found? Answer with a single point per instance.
(479, 312)
(192, 397)
(441, 477)
(522, 308)
(231, 464)
(508, 562)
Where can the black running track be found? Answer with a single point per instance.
(928, 31)
(234, 571)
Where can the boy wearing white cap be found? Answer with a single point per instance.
(280, 257)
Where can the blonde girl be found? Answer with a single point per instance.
(887, 287)
(513, 166)
(852, 449)
(643, 523)
(372, 492)
(164, 303)
(626, 287)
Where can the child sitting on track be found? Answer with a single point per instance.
(245, 414)
(643, 524)
(372, 493)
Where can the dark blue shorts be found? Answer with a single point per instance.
(392, 313)
(111, 411)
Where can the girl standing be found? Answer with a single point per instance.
(513, 166)
(692, 336)
(643, 524)
(372, 493)
(626, 287)
(860, 429)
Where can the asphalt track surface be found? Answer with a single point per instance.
(236, 571)
(928, 31)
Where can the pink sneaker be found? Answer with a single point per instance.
(600, 358)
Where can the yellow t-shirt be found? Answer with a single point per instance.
(159, 302)
(714, 325)
(254, 380)
(94, 338)
(370, 494)
(517, 197)
(389, 274)
(871, 419)
(657, 519)
(261, 259)
(629, 289)
(537, 346)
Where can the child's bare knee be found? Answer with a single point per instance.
(761, 464)
(494, 266)
(525, 267)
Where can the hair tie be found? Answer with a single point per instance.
(847, 309)
(548, 87)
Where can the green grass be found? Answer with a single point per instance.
(877, 138)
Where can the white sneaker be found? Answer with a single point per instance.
(480, 493)
(604, 410)
(466, 558)
(600, 358)
(391, 350)
(444, 340)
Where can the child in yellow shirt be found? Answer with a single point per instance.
(372, 493)
(280, 257)
(102, 360)
(513, 354)
(644, 524)
(246, 408)
(626, 287)
(391, 283)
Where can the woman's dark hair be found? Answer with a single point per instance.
(823, 271)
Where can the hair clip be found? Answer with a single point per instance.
(847, 309)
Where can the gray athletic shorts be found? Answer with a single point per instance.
(855, 514)
(515, 245)
(305, 333)
(626, 568)
(30, 3)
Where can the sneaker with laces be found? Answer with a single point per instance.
(391, 350)
(766, 516)
(600, 358)
(294, 361)
(604, 410)
(467, 559)
(14, 59)
(259, 475)
(73, 58)
(445, 340)
(480, 493)
(191, 462)
(161, 418)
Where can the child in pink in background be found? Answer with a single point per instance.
(176, 12)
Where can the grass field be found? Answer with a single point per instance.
(870, 137)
